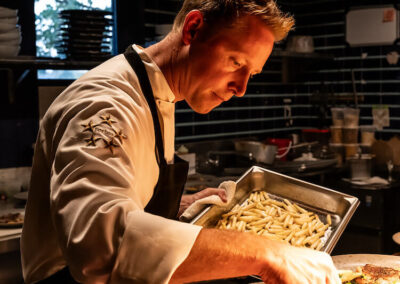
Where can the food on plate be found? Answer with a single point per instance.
(11, 218)
(370, 274)
(278, 220)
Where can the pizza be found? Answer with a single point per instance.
(370, 274)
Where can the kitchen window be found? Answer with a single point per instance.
(47, 31)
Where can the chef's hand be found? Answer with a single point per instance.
(188, 199)
(218, 254)
(295, 265)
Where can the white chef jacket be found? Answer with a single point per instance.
(94, 171)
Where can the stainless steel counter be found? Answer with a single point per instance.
(10, 256)
(10, 260)
(10, 243)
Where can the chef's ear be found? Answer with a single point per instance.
(193, 23)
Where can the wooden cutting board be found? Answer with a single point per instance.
(383, 152)
(394, 143)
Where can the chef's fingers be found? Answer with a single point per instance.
(333, 276)
(222, 195)
(333, 279)
(212, 191)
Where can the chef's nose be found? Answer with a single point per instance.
(239, 85)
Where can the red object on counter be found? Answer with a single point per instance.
(282, 143)
(314, 130)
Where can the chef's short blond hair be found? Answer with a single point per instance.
(227, 12)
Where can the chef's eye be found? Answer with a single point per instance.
(235, 62)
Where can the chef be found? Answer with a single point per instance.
(106, 186)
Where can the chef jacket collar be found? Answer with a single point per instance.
(159, 84)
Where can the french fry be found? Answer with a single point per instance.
(329, 219)
(234, 219)
(299, 209)
(278, 220)
(315, 244)
(261, 221)
(286, 221)
(301, 233)
(288, 238)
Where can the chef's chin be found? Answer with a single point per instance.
(204, 110)
(204, 103)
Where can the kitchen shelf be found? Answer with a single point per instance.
(31, 62)
(313, 55)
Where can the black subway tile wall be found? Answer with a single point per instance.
(375, 80)
(296, 91)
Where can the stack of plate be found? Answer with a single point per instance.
(10, 33)
(85, 34)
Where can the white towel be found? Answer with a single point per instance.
(198, 205)
(368, 181)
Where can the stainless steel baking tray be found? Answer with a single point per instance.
(317, 199)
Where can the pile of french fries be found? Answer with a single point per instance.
(277, 220)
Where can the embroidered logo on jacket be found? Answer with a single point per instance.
(103, 132)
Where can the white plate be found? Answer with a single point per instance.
(7, 13)
(14, 33)
(11, 20)
(7, 51)
(10, 42)
(4, 27)
(21, 195)
(10, 36)
(352, 261)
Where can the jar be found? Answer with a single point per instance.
(337, 116)
(350, 135)
(336, 134)
(367, 134)
(351, 117)
(350, 150)
(365, 149)
(360, 166)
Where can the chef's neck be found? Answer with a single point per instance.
(168, 54)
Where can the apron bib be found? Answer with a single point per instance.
(172, 178)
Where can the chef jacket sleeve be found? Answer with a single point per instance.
(97, 203)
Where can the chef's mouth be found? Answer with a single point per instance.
(222, 99)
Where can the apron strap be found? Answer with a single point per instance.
(138, 65)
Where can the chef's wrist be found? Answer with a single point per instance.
(268, 256)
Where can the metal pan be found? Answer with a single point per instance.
(261, 152)
(317, 199)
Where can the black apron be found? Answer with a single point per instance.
(172, 178)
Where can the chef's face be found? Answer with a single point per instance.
(220, 64)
